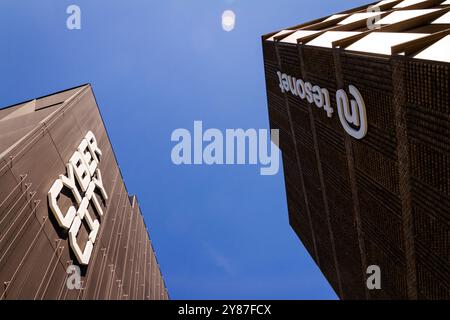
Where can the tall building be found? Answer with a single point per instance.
(361, 99)
(68, 228)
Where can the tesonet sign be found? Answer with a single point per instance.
(352, 113)
(83, 178)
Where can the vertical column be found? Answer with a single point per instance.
(352, 175)
(302, 183)
(322, 184)
(404, 175)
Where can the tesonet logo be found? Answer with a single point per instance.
(352, 114)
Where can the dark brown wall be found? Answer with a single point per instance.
(34, 252)
(383, 200)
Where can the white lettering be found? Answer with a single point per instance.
(301, 89)
(82, 166)
(327, 106)
(317, 96)
(64, 221)
(352, 114)
(308, 90)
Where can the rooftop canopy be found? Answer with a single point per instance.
(380, 28)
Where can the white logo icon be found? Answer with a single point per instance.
(353, 117)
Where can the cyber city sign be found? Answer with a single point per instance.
(352, 113)
(83, 178)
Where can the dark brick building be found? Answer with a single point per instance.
(64, 206)
(361, 99)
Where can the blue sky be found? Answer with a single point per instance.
(220, 232)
